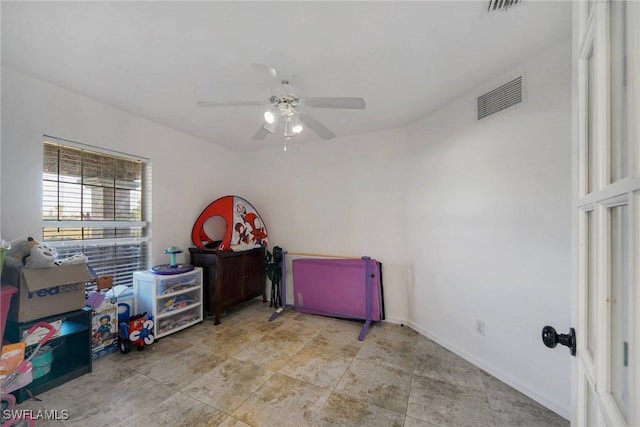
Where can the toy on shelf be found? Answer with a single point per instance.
(173, 267)
(178, 302)
(137, 332)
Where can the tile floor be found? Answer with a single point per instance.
(298, 370)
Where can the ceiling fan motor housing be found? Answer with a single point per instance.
(286, 108)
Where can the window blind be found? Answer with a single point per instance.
(96, 203)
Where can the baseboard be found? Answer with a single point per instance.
(563, 412)
(397, 321)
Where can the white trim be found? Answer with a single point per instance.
(81, 146)
(397, 321)
(634, 254)
(93, 224)
(98, 242)
(610, 407)
(623, 186)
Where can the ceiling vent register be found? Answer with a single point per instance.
(502, 5)
(500, 98)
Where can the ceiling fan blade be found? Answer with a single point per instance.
(262, 133)
(353, 103)
(269, 73)
(265, 68)
(227, 103)
(316, 126)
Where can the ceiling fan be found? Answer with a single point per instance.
(285, 109)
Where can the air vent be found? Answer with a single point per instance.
(501, 98)
(503, 5)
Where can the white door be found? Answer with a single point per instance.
(607, 212)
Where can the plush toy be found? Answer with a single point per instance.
(32, 254)
(42, 256)
(73, 259)
(22, 250)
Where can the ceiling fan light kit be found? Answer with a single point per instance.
(285, 106)
(296, 124)
(269, 117)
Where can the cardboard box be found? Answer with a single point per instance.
(104, 329)
(124, 296)
(45, 292)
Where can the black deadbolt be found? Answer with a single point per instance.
(551, 339)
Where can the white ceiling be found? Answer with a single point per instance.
(156, 59)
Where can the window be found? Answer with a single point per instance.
(96, 203)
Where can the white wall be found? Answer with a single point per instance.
(489, 217)
(342, 196)
(188, 173)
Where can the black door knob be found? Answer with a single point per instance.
(551, 338)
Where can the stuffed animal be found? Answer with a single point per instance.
(33, 254)
(22, 250)
(73, 259)
(42, 256)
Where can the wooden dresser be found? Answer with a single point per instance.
(230, 277)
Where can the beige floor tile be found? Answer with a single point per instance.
(180, 410)
(162, 349)
(282, 401)
(397, 354)
(228, 340)
(443, 403)
(310, 320)
(183, 368)
(272, 352)
(449, 368)
(317, 366)
(251, 310)
(344, 342)
(232, 422)
(347, 325)
(393, 332)
(346, 411)
(228, 384)
(193, 334)
(425, 345)
(414, 422)
(293, 329)
(134, 395)
(104, 380)
(510, 407)
(378, 385)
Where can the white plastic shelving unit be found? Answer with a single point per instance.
(174, 301)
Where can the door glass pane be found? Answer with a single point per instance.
(592, 407)
(591, 122)
(620, 307)
(591, 282)
(619, 93)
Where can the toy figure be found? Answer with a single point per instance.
(256, 229)
(243, 236)
(105, 325)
